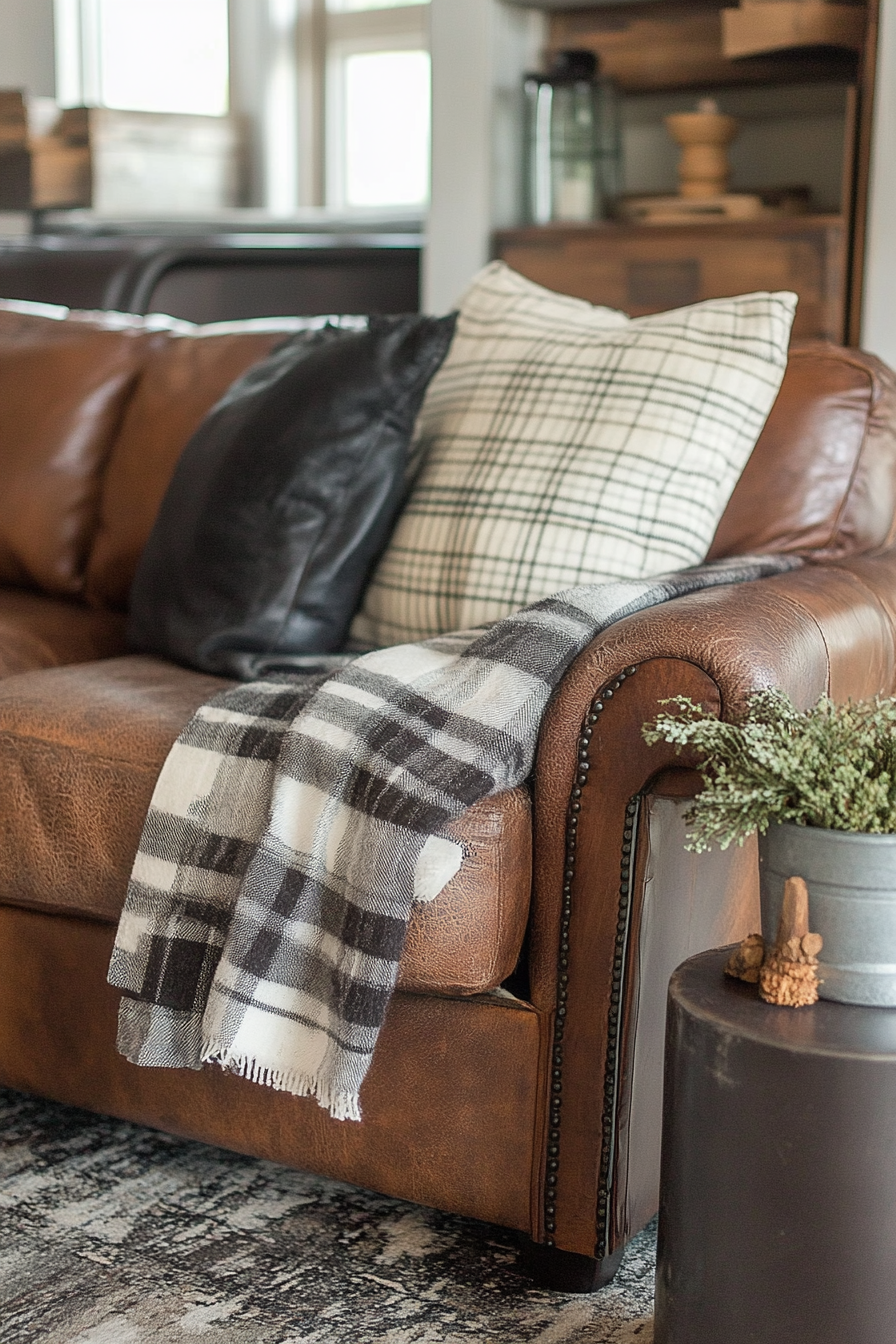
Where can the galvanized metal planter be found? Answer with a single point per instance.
(851, 878)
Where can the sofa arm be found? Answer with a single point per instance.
(822, 629)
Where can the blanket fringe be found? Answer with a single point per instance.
(341, 1105)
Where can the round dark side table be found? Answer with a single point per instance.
(778, 1205)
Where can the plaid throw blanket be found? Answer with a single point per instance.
(297, 820)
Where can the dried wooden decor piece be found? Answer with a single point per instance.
(786, 972)
(746, 962)
(789, 974)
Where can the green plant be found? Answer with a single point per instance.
(832, 766)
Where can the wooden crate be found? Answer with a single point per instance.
(647, 269)
(137, 162)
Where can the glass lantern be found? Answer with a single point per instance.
(573, 153)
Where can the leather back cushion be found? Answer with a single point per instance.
(183, 377)
(822, 477)
(63, 389)
(80, 395)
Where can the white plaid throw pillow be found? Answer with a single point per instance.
(564, 444)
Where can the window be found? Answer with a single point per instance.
(335, 93)
(377, 103)
(163, 56)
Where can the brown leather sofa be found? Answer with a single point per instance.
(518, 1076)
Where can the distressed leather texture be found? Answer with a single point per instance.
(63, 391)
(39, 631)
(450, 1103)
(77, 787)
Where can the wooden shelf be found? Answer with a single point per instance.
(677, 44)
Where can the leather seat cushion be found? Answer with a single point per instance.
(38, 631)
(81, 748)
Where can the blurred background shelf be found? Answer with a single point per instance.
(804, 112)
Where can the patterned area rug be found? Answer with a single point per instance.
(113, 1234)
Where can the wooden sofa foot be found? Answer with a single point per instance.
(565, 1271)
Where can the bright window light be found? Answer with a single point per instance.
(352, 6)
(164, 55)
(387, 98)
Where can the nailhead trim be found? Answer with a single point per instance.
(614, 1024)
(572, 823)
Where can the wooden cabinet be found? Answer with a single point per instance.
(650, 268)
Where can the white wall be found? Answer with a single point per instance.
(879, 312)
(27, 56)
(248, 65)
(480, 49)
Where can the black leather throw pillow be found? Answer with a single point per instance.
(283, 500)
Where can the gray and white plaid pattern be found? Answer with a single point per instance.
(298, 819)
(563, 445)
